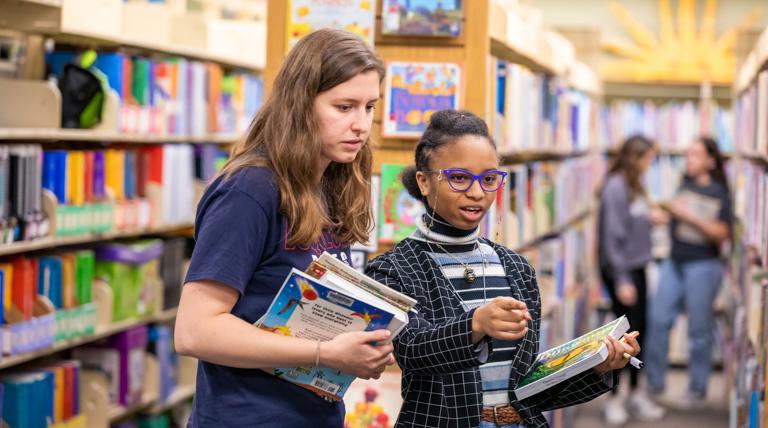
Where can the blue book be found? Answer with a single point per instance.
(308, 308)
(49, 280)
(99, 189)
(55, 173)
(113, 66)
(17, 397)
(130, 174)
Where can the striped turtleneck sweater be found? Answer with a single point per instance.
(453, 250)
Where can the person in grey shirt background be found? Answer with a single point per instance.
(624, 250)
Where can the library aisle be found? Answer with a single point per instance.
(632, 143)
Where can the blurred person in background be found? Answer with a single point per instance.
(624, 251)
(700, 217)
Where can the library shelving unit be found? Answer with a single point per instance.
(151, 31)
(492, 33)
(749, 375)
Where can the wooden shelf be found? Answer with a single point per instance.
(54, 18)
(178, 396)
(755, 157)
(117, 412)
(507, 52)
(554, 232)
(52, 242)
(167, 315)
(521, 156)
(55, 134)
(101, 333)
(665, 90)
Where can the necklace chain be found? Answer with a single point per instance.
(467, 270)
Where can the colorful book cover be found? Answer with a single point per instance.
(422, 17)
(414, 91)
(399, 211)
(307, 309)
(569, 359)
(306, 16)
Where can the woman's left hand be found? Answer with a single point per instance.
(616, 350)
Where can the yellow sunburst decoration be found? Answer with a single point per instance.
(682, 54)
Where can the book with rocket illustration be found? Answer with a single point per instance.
(323, 303)
(569, 359)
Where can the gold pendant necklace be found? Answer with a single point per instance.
(469, 273)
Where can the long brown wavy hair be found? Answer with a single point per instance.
(284, 136)
(627, 162)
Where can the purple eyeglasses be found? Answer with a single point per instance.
(461, 180)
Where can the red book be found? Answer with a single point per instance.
(155, 164)
(89, 176)
(24, 287)
(69, 392)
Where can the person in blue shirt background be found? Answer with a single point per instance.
(264, 215)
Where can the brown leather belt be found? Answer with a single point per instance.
(503, 414)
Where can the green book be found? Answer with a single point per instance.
(85, 266)
(569, 359)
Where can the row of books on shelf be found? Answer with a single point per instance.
(537, 197)
(126, 369)
(752, 117)
(750, 205)
(534, 111)
(173, 96)
(51, 297)
(43, 395)
(100, 190)
(672, 125)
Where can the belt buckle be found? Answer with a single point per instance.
(496, 413)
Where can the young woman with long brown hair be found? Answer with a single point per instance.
(624, 251)
(298, 185)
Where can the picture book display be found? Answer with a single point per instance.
(306, 16)
(331, 298)
(569, 359)
(398, 209)
(415, 90)
(422, 17)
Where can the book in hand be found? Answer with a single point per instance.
(570, 359)
(330, 299)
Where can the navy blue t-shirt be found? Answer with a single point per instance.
(241, 242)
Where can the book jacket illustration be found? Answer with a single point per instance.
(568, 354)
(422, 17)
(307, 309)
(415, 90)
(306, 16)
(399, 211)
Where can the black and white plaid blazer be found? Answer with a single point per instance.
(441, 379)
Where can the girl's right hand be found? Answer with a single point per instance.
(503, 318)
(358, 354)
(627, 294)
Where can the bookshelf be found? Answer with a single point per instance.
(81, 22)
(101, 333)
(747, 374)
(221, 52)
(56, 242)
(42, 135)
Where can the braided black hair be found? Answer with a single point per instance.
(445, 127)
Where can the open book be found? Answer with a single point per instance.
(329, 299)
(570, 359)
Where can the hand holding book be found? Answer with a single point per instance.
(616, 349)
(358, 353)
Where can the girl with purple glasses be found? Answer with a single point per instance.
(476, 330)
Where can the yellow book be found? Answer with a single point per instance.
(68, 281)
(76, 173)
(115, 173)
(58, 394)
(7, 269)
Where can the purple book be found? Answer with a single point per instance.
(99, 191)
(131, 345)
